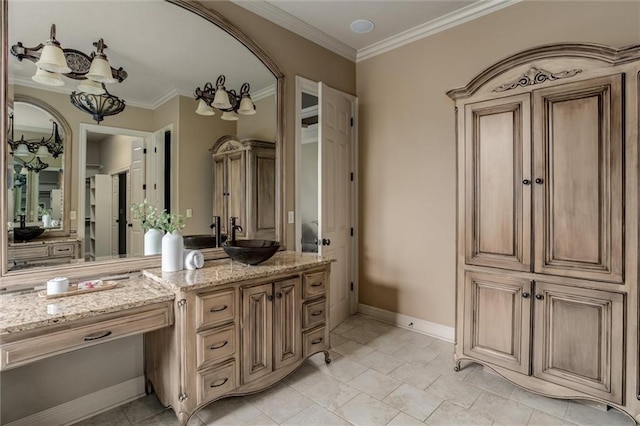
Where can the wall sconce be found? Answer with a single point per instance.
(227, 101)
(94, 71)
(50, 147)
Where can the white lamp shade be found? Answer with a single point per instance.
(43, 152)
(204, 109)
(229, 116)
(246, 106)
(100, 71)
(91, 87)
(48, 78)
(221, 99)
(22, 151)
(52, 59)
(24, 170)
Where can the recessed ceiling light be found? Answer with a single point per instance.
(362, 26)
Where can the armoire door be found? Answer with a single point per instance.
(498, 183)
(578, 191)
(236, 189)
(287, 322)
(257, 332)
(578, 339)
(497, 322)
(219, 191)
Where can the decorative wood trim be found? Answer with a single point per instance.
(606, 54)
(536, 76)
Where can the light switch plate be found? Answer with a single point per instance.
(291, 217)
(189, 213)
(72, 215)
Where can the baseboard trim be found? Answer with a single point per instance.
(404, 321)
(86, 406)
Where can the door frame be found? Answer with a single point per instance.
(82, 160)
(309, 86)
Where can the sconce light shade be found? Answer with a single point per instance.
(246, 106)
(43, 152)
(52, 58)
(24, 171)
(221, 99)
(22, 150)
(100, 70)
(47, 77)
(229, 116)
(90, 86)
(99, 106)
(204, 109)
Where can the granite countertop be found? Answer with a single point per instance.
(225, 271)
(26, 310)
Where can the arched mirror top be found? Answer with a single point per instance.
(160, 69)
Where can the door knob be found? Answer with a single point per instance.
(539, 296)
(130, 225)
(526, 182)
(525, 295)
(539, 181)
(326, 242)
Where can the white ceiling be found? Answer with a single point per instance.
(397, 22)
(166, 50)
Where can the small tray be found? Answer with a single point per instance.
(73, 290)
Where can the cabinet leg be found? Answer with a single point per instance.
(456, 367)
(327, 359)
(148, 387)
(183, 418)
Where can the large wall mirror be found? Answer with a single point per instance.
(75, 212)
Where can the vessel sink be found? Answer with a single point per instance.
(250, 252)
(27, 233)
(196, 242)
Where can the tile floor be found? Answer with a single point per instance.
(380, 375)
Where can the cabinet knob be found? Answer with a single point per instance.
(279, 295)
(270, 298)
(525, 295)
(539, 296)
(526, 182)
(539, 181)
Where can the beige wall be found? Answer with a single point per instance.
(263, 124)
(407, 199)
(115, 153)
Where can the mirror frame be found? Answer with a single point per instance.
(67, 142)
(27, 278)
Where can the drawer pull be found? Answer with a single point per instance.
(316, 285)
(316, 313)
(316, 341)
(61, 249)
(220, 345)
(219, 309)
(218, 384)
(96, 336)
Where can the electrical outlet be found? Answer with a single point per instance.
(189, 213)
(291, 217)
(72, 215)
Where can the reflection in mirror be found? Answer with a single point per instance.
(156, 149)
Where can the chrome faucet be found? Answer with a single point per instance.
(23, 221)
(232, 229)
(218, 230)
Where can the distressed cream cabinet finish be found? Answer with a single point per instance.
(238, 338)
(244, 185)
(547, 268)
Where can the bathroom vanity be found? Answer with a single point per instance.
(43, 252)
(226, 329)
(238, 329)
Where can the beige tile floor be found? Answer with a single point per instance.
(380, 375)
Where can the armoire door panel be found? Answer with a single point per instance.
(576, 333)
(498, 205)
(497, 321)
(257, 334)
(578, 183)
(236, 188)
(287, 322)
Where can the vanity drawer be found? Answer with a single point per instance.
(313, 313)
(32, 349)
(314, 284)
(216, 345)
(314, 341)
(216, 381)
(215, 308)
(28, 252)
(63, 250)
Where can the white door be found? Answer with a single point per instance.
(114, 214)
(335, 145)
(135, 188)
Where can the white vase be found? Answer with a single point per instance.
(152, 242)
(172, 252)
(46, 220)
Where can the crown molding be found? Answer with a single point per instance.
(264, 93)
(278, 16)
(450, 20)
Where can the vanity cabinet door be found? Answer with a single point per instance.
(257, 331)
(287, 322)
